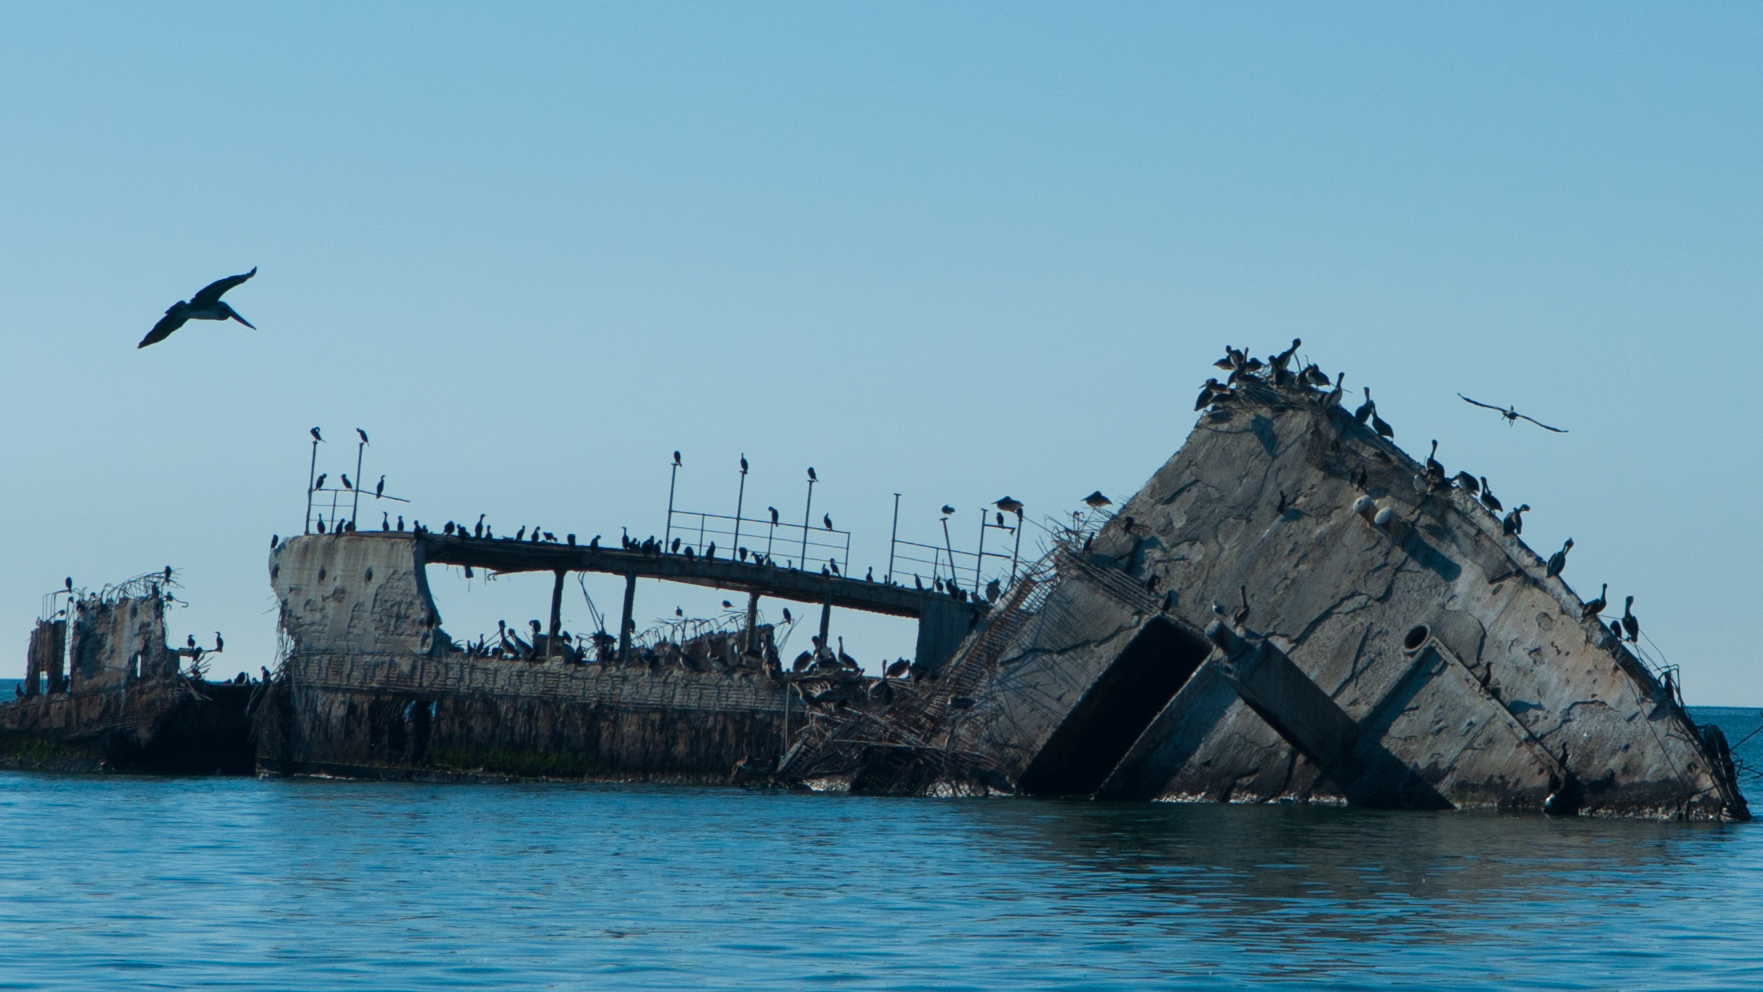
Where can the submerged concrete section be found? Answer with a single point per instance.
(372, 686)
(1397, 649)
(103, 690)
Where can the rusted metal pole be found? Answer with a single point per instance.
(1016, 555)
(311, 473)
(979, 560)
(355, 508)
(556, 613)
(949, 547)
(624, 626)
(826, 620)
(893, 537)
(752, 620)
(807, 512)
(672, 477)
(740, 501)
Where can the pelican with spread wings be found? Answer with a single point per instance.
(1512, 415)
(205, 305)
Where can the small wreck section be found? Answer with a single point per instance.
(373, 686)
(1292, 609)
(103, 690)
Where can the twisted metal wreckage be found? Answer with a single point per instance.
(1290, 608)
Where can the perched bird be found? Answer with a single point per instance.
(385, 521)
(1616, 628)
(1487, 497)
(727, 605)
(992, 589)
(363, 435)
(205, 305)
(811, 476)
(834, 565)
(320, 483)
(898, 668)
(400, 523)
(802, 662)
(1467, 483)
(321, 523)
(1009, 505)
(1313, 376)
(190, 640)
(520, 535)
(773, 510)
(1512, 415)
(1513, 524)
(1333, 399)
(917, 582)
(219, 644)
(1000, 515)
(1596, 606)
(710, 552)
(1211, 393)
(827, 519)
(869, 576)
(1630, 622)
(380, 489)
(478, 529)
(1366, 409)
(1558, 560)
(346, 483)
(675, 546)
(1379, 425)
(550, 537)
(1096, 500)
(274, 539)
(676, 458)
(315, 436)
(1433, 467)
(948, 510)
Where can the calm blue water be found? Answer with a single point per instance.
(121, 882)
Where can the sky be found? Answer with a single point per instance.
(949, 251)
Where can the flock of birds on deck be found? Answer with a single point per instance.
(1433, 479)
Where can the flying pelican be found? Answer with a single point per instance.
(205, 305)
(1096, 500)
(1512, 415)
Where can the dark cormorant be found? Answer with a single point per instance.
(1487, 497)
(948, 510)
(363, 435)
(898, 668)
(811, 474)
(676, 458)
(205, 305)
(315, 436)
(827, 519)
(219, 645)
(1630, 622)
(380, 489)
(520, 535)
(743, 464)
(346, 483)
(477, 531)
(320, 483)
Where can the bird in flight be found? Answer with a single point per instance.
(1512, 415)
(205, 305)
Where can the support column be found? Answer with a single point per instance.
(556, 613)
(624, 626)
(826, 620)
(752, 621)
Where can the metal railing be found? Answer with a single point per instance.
(761, 541)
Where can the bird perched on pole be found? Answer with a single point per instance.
(363, 435)
(1558, 560)
(315, 435)
(811, 475)
(205, 305)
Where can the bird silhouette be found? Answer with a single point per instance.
(380, 490)
(205, 305)
(948, 510)
(1558, 560)
(743, 464)
(899, 668)
(727, 605)
(315, 436)
(1512, 415)
(773, 510)
(1467, 483)
(678, 612)
(1366, 409)
(830, 563)
(219, 645)
(1009, 505)
(787, 615)
(811, 476)
(1096, 500)
(1596, 606)
(827, 519)
(1487, 496)
(1513, 524)
(1630, 622)
(363, 435)
(346, 483)
(676, 458)
(320, 483)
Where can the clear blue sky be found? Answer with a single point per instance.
(955, 251)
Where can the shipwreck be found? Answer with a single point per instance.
(1290, 609)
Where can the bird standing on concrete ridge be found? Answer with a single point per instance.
(1467, 483)
(1596, 606)
(834, 565)
(205, 305)
(1487, 496)
(520, 535)
(1382, 427)
(1511, 414)
(315, 436)
(1096, 500)
(476, 531)
(898, 668)
(710, 552)
(1366, 409)
(274, 539)
(385, 521)
(1630, 622)
(1333, 399)
(1009, 505)
(1513, 524)
(1558, 560)
(363, 435)
(675, 546)
(992, 589)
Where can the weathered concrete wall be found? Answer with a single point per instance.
(1464, 672)
(376, 688)
(112, 642)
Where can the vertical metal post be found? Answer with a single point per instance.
(893, 536)
(740, 501)
(355, 509)
(556, 613)
(752, 620)
(311, 473)
(826, 620)
(672, 477)
(1017, 553)
(807, 512)
(980, 559)
(624, 626)
(949, 547)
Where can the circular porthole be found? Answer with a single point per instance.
(1416, 637)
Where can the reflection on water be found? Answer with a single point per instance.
(132, 882)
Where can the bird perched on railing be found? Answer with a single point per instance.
(205, 305)
(320, 483)
(346, 483)
(827, 519)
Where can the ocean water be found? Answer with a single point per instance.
(123, 882)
